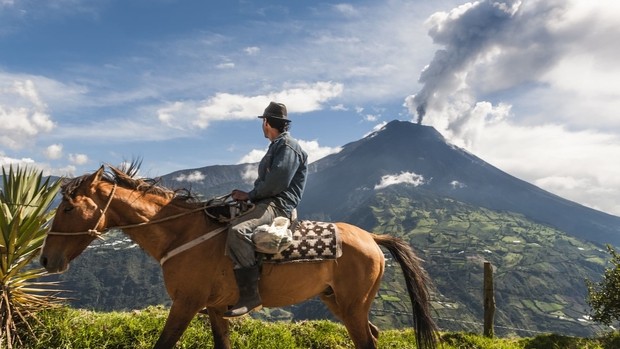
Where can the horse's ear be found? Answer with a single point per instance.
(95, 177)
(118, 173)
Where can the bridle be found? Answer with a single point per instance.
(92, 232)
(97, 233)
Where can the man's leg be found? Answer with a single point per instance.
(241, 251)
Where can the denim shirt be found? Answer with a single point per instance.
(281, 174)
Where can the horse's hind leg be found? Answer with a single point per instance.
(354, 315)
(356, 281)
(219, 328)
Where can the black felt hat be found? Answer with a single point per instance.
(276, 111)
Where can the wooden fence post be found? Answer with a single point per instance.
(489, 300)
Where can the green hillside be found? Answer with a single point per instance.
(539, 271)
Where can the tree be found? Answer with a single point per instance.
(25, 216)
(604, 296)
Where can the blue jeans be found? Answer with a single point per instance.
(239, 245)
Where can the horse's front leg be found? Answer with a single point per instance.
(179, 317)
(219, 328)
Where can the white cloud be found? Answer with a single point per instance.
(227, 65)
(457, 185)
(306, 97)
(252, 50)
(577, 165)
(195, 176)
(176, 114)
(64, 171)
(250, 173)
(371, 117)
(5, 161)
(339, 107)
(299, 98)
(255, 155)
(78, 159)
(47, 169)
(22, 113)
(53, 151)
(561, 183)
(404, 177)
(42, 93)
(315, 151)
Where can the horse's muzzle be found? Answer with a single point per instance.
(53, 265)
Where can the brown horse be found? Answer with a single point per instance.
(174, 229)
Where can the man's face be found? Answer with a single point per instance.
(265, 127)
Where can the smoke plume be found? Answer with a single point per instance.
(488, 47)
(466, 32)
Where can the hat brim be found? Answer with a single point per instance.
(274, 117)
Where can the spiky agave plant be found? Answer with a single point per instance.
(25, 216)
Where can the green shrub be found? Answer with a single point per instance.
(604, 296)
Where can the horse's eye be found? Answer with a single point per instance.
(67, 209)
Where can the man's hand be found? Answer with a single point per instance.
(239, 195)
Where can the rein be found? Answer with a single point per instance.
(96, 233)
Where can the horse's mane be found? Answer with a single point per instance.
(125, 176)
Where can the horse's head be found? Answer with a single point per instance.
(78, 218)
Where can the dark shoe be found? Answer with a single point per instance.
(249, 299)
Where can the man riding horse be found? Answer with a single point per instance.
(276, 193)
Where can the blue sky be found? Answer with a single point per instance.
(530, 86)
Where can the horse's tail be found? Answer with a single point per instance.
(418, 284)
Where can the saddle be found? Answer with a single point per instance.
(311, 240)
(223, 210)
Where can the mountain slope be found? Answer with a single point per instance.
(351, 175)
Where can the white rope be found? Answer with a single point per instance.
(186, 246)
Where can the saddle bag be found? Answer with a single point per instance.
(274, 238)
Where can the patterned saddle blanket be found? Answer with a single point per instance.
(312, 241)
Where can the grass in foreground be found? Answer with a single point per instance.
(70, 328)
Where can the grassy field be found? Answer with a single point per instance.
(70, 328)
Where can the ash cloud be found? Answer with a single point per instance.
(488, 46)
